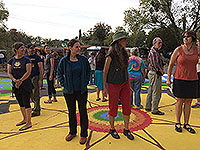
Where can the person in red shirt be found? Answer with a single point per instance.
(185, 83)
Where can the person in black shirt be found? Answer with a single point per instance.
(19, 70)
(36, 77)
(99, 63)
(118, 85)
(39, 52)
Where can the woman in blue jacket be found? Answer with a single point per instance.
(74, 74)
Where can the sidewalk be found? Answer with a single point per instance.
(3, 75)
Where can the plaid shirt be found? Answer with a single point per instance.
(155, 60)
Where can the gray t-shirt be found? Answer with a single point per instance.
(48, 63)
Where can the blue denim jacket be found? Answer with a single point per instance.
(64, 73)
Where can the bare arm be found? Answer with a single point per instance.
(51, 70)
(105, 73)
(198, 49)
(9, 73)
(171, 65)
(41, 72)
(199, 61)
(44, 73)
(143, 73)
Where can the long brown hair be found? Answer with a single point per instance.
(101, 54)
(120, 54)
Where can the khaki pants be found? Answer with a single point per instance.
(154, 91)
(35, 95)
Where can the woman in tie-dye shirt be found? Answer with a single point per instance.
(137, 75)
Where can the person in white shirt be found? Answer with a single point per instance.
(92, 66)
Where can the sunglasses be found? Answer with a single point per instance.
(186, 36)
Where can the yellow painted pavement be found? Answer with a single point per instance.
(51, 127)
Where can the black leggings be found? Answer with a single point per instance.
(23, 97)
(82, 106)
(51, 88)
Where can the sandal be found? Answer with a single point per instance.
(114, 134)
(55, 100)
(178, 129)
(25, 127)
(128, 134)
(189, 129)
(20, 123)
(48, 101)
(98, 99)
(104, 100)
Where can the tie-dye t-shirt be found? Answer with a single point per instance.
(134, 68)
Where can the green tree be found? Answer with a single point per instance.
(4, 36)
(109, 39)
(169, 42)
(19, 37)
(97, 35)
(184, 15)
(3, 14)
(11, 37)
(120, 28)
(100, 31)
(137, 39)
(85, 38)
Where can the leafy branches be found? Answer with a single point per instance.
(171, 14)
(3, 14)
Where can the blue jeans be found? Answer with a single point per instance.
(136, 86)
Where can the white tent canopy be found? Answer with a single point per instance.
(2, 56)
(94, 48)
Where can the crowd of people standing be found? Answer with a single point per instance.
(114, 72)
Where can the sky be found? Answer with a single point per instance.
(62, 19)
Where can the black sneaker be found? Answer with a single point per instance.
(119, 102)
(128, 134)
(147, 109)
(158, 113)
(34, 114)
(114, 134)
